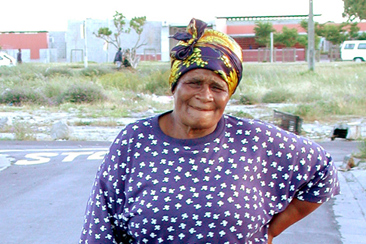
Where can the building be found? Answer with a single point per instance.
(36, 46)
(97, 49)
(242, 30)
(73, 44)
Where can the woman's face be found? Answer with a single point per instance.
(200, 98)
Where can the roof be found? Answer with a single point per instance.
(266, 17)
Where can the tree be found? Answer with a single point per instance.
(262, 32)
(362, 36)
(353, 30)
(106, 34)
(119, 22)
(303, 39)
(287, 37)
(354, 9)
(136, 24)
(335, 33)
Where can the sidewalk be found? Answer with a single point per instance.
(350, 206)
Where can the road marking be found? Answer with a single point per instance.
(38, 158)
(53, 150)
(45, 157)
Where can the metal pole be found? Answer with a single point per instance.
(85, 46)
(271, 47)
(311, 45)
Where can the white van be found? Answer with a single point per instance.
(354, 50)
(6, 59)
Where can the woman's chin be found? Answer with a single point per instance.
(203, 120)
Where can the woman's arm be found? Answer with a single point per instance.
(295, 211)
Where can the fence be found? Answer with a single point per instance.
(279, 55)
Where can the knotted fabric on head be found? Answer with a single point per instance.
(204, 48)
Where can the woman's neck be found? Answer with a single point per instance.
(174, 128)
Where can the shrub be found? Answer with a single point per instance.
(305, 110)
(247, 99)
(123, 81)
(276, 96)
(53, 89)
(157, 82)
(242, 114)
(18, 96)
(95, 71)
(82, 93)
(24, 132)
(61, 70)
(362, 148)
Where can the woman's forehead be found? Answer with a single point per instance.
(203, 74)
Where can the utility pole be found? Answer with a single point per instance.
(85, 46)
(311, 44)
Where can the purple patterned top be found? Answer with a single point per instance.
(221, 188)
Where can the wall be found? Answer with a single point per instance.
(34, 41)
(97, 51)
(57, 41)
(280, 55)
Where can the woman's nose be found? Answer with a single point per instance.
(205, 93)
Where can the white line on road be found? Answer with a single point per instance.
(55, 149)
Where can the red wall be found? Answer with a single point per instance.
(249, 29)
(282, 55)
(32, 40)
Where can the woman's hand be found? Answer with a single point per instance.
(270, 238)
(295, 211)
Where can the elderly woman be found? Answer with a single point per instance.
(194, 175)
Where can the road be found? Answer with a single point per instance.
(44, 193)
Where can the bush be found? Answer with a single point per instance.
(276, 96)
(320, 109)
(24, 132)
(362, 148)
(247, 99)
(157, 82)
(62, 71)
(18, 96)
(242, 114)
(123, 81)
(95, 71)
(82, 93)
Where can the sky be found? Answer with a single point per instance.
(48, 15)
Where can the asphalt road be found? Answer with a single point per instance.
(43, 194)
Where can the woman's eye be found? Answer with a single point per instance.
(194, 83)
(218, 88)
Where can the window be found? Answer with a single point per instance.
(362, 46)
(349, 46)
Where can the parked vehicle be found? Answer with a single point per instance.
(6, 59)
(354, 50)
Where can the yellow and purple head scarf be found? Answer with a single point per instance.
(206, 49)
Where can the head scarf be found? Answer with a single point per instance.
(206, 49)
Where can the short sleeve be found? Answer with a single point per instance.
(323, 183)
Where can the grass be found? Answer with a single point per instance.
(333, 89)
(362, 150)
(24, 132)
